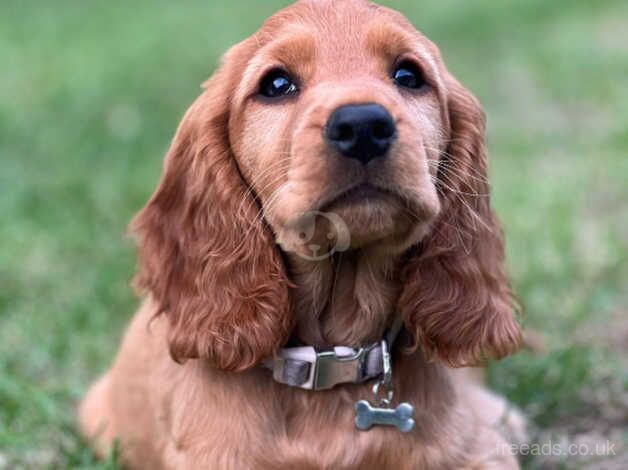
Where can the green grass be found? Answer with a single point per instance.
(91, 92)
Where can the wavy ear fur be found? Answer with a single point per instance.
(204, 254)
(456, 298)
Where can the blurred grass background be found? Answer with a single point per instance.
(91, 93)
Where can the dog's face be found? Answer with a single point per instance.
(340, 113)
(335, 127)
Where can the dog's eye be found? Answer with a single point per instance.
(409, 75)
(277, 83)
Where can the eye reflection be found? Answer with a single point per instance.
(408, 75)
(276, 84)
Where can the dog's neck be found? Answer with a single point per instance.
(348, 299)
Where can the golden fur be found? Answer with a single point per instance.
(226, 284)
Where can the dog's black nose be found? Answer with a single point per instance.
(361, 131)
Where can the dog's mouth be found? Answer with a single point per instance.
(364, 193)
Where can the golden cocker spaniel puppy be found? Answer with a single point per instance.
(330, 179)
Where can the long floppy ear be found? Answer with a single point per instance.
(205, 255)
(456, 298)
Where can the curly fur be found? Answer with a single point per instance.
(456, 297)
(226, 297)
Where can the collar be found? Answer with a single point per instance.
(312, 369)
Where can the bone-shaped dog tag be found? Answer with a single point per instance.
(368, 416)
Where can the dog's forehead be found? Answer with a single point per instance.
(340, 22)
(342, 33)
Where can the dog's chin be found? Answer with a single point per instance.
(370, 222)
(365, 218)
(374, 218)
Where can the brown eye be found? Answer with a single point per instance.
(409, 75)
(276, 84)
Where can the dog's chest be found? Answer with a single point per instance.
(246, 421)
(338, 444)
(306, 431)
(319, 432)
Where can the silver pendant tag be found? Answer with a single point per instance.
(367, 416)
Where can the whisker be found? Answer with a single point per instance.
(437, 180)
(476, 217)
(251, 227)
(458, 166)
(277, 166)
(455, 170)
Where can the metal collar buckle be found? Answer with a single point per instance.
(330, 369)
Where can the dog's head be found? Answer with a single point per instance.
(335, 127)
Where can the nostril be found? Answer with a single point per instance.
(383, 130)
(343, 132)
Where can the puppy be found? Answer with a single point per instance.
(330, 179)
